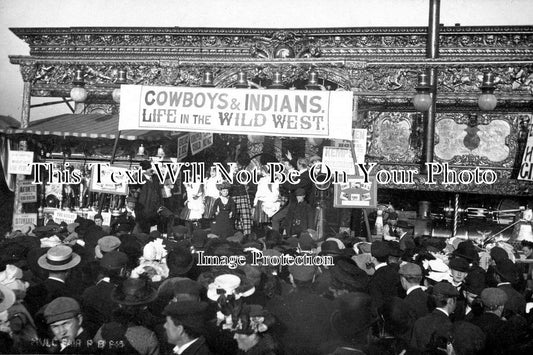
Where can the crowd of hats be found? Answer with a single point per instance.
(160, 272)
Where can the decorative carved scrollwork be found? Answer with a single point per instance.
(390, 137)
(476, 140)
(283, 45)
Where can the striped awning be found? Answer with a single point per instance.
(83, 126)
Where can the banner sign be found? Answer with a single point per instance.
(109, 179)
(64, 216)
(20, 219)
(27, 191)
(355, 193)
(289, 113)
(338, 159)
(19, 162)
(526, 169)
(183, 146)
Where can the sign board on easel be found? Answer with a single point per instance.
(355, 193)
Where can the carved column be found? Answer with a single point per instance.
(28, 73)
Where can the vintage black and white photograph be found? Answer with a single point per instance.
(251, 177)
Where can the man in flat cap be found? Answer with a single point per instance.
(433, 331)
(185, 322)
(497, 330)
(417, 297)
(63, 316)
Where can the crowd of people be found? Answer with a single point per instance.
(85, 288)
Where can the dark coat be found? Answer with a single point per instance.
(499, 337)
(304, 320)
(384, 283)
(516, 303)
(97, 305)
(430, 329)
(417, 300)
(300, 217)
(304, 183)
(149, 201)
(199, 347)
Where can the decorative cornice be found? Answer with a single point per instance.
(386, 42)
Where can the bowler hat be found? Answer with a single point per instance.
(466, 250)
(445, 289)
(114, 260)
(134, 292)
(60, 309)
(189, 313)
(329, 247)
(380, 249)
(507, 270)
(467, 338)
(493, 297)
(59, 258)
(459, 264)
(474, 282)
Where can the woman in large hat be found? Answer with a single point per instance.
(250, 330)
(125, 333)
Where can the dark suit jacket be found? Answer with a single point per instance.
(199, 347)
(417, 300)
(516, 302)
(384, 283)
(97, 305)
(499, 335)
(429, 328)
(304, 320)
(44, 293)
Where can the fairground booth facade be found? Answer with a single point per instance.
(443, 112)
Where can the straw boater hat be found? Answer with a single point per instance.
(59, 258)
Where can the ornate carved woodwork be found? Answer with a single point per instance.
(380, 65)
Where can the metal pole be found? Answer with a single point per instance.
(432, 52)
(455, 215)
(111, 161)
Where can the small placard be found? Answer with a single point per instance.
(64, 216)
(20, 162)
(20, 219)
(27, 192)
(355, 193)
